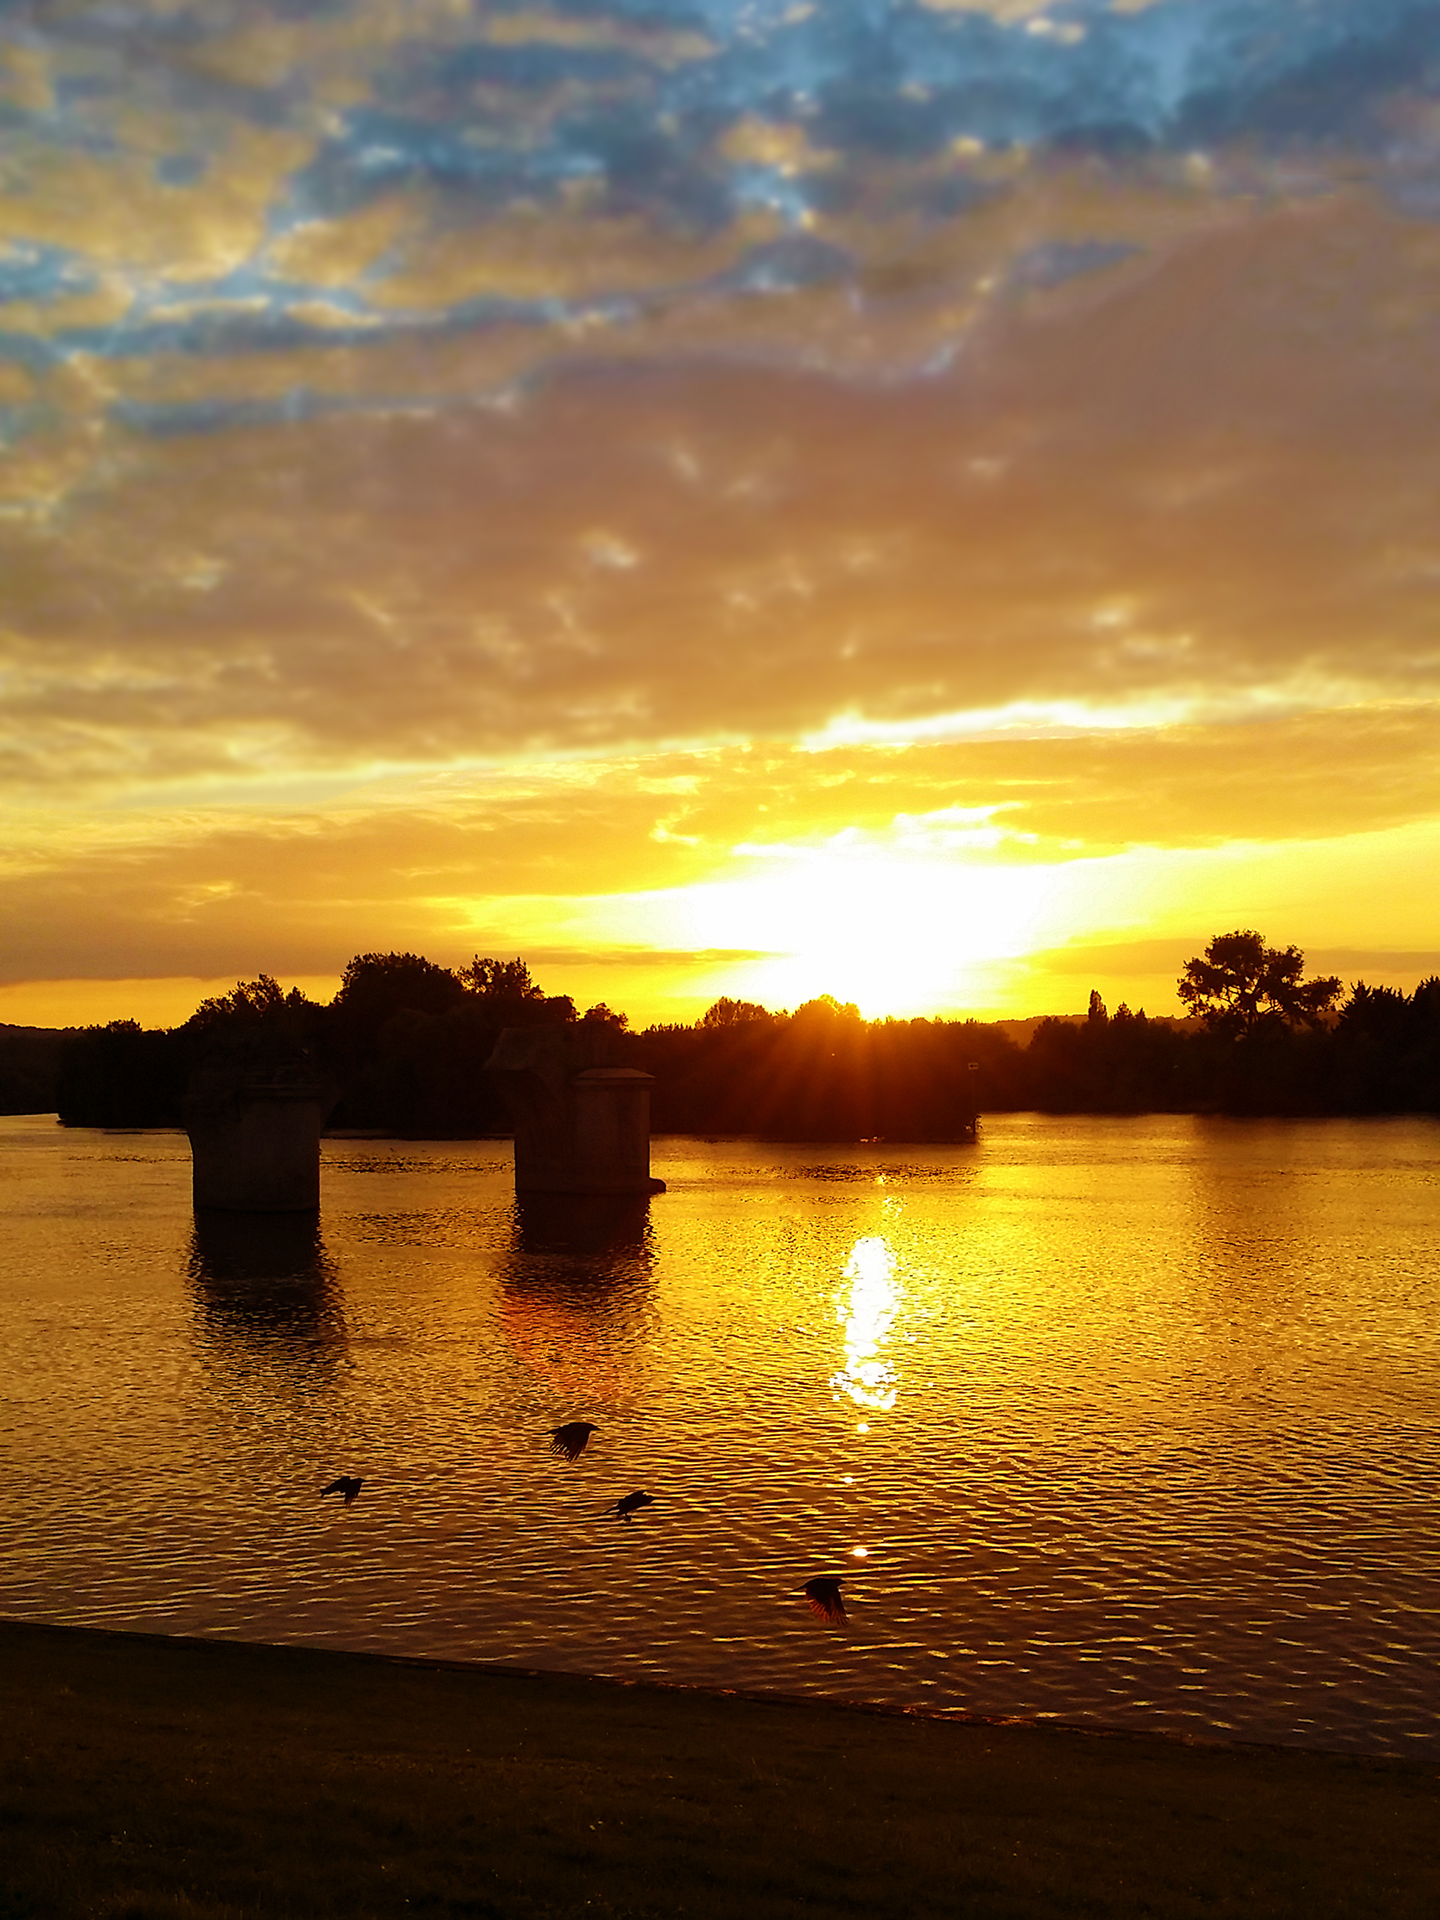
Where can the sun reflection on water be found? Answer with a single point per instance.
(1163, 1462)
(867, 1315)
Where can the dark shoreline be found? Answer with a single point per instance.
(182, 1777)
(757, 1696)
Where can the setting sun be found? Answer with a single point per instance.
(896, 933)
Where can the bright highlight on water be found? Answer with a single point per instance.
(1149, 1431)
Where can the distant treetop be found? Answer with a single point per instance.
(602, 1016)
(373, 981)
(500, 979)
(827, 1007)
(732, 1013)
(1242, 986)
(261, 999)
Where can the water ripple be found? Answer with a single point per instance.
(1132, 1422)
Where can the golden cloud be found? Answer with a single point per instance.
(436, 863)
(1173, 498)
(121, 217)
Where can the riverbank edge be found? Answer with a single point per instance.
(187, 1777)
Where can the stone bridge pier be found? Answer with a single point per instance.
(581, 1120)
(255, 1141)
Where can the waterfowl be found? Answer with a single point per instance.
(569, 1440)
(823, 1597)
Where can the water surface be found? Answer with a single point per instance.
(1132, 1422)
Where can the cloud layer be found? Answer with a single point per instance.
(456, 386)
(521, 859)
(1186, 497)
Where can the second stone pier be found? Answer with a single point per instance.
(581, 1119)
(255, 1141)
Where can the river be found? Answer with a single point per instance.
(1126, 1422)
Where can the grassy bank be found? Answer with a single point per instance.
(177, 1778)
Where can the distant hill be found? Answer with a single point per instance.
(1022, 1031)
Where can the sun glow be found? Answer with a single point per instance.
(896, 933)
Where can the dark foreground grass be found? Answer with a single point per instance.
(146, 1777)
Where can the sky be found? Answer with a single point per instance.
(928, 502)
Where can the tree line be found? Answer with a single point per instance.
(402, 1049)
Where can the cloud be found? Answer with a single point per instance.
(270, 154)
(668, 958)
(511, 858)
(1174, 496)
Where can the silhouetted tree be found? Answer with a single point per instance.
(1386, 1050)
(1242, 986)
(406, 1041)
(501, 980)
(823, 1073)
(602, 1016)
(732, 1013)
(256, 1031)
(1120, 1063)
(30, 1064)
(412, 1040)
(258, 999)
(376, 985)
(122, 1075)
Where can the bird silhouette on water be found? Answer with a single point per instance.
(346, 1485)
(569, 1440)
(624, 1509)
(823, 1598)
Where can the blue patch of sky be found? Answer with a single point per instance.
(33, 271)
(1008, 82)
(250, 311)
(232, 329)
(893, 81)
(661, 166)
(878, 77)
(1271, 62)
(484, 126)
(797, 260)
(378, 152)
(1056, 261)
(181, 169)
(451, 75)
(1080, 63)
(168, 419)
(758, 186)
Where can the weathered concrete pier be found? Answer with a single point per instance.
(255, 1140)
(581, 1120)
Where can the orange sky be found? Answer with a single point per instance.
(715, 508)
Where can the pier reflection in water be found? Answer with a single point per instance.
(265, 1292)
(575, 1289)
(1129, 1422)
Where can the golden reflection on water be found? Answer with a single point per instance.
(265, 1292)
(576, 1280)
(867, 1314)
(1131, 1422)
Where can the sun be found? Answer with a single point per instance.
(894, 932)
